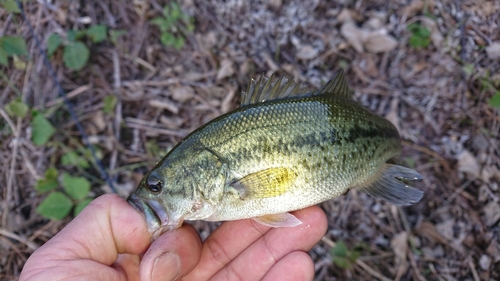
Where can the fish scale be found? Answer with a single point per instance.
(281, 151)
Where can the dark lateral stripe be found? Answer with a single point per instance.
(357, 132)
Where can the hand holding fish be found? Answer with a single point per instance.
(109, 240)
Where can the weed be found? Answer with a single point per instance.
(75, 52)
(420, 37)
(172, 24)
(343, 257)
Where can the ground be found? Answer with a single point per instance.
(430, 67)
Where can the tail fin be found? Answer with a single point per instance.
(388, 186)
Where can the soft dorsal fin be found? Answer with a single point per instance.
(273, 88)
(336, 87)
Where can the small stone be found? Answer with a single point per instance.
(485, 262)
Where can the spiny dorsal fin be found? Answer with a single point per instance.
(273, 88)
(336, 87)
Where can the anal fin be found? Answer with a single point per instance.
(389, 187)
(278, 220)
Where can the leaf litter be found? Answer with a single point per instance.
(437, 96)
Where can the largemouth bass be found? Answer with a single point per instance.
(286, 148)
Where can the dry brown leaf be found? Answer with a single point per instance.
(354, 35)
(378, 42)
(467, 163)
(307, 52)
(164, 104)
(182, 94)
(226, 69)
(493, 50)
(412, 9)
(399, 245)
(491, 213)
(436, 36)
(446, 229)
(99, 121)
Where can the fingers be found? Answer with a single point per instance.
(274, 245)
(249, 243)
(172, 255)
(107, 227)
(224, 244)
(296, 266)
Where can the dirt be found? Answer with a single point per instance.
(437, 95)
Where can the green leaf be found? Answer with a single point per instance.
(495, 100)
(53, 43)
(80, 206)
(56, 206)
(339, 250)
(3, 57)
(11, 6)
(76, 187)
(161, 23)
(115, 34)
(42, 130)
(97, 33)
(71, 35)
(16, 108)
(75, 55)
(109, 104)
(73, 158)
(342, 257)
(13, 45)
(49, 182)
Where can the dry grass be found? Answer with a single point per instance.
(437, 96)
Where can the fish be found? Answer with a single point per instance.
(287, 147)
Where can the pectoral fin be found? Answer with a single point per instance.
(388, 186)
(267, 183)
(278, 220)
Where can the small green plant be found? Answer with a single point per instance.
(58, 204)
(171, 25)
(420, 37)
(11, 46)
(343, 257)
(75, 51)
(41, 129)
(495, 100)
(16, 108)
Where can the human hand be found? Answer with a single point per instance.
(109, 241)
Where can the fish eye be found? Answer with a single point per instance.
(154, 184)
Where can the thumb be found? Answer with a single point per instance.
(173, 255)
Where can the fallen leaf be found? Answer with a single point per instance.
(182, 94)
(467, 163)
(226, 69)
(164, 104)
(446, 229)
(378, 42)
(354, 35)
(307, 52)
(399, 245)
(491, 213)
(493, 50)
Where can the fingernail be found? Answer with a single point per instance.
(166, 267)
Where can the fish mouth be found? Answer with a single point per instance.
(156, 216)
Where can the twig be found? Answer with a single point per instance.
(33, 246)
(144, 125)
(452, 197)
(72, 94)
(473, 269)
(16, 129)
